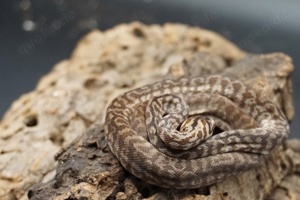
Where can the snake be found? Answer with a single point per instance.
(192, 132)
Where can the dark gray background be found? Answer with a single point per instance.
(34, 35)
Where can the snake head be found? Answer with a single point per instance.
(202, 126)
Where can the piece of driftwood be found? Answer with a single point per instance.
(68, 106)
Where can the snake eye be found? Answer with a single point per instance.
(185, 129)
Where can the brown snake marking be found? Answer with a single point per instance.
(251, 127)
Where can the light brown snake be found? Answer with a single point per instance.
(141, 122)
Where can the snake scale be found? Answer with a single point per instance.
(234, 126)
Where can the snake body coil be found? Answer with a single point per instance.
(149, 130)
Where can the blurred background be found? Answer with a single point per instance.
(36, 34)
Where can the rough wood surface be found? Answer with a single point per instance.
(70, 103)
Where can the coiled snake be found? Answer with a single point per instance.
(163, 132)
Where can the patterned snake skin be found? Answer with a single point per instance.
(145, 132)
